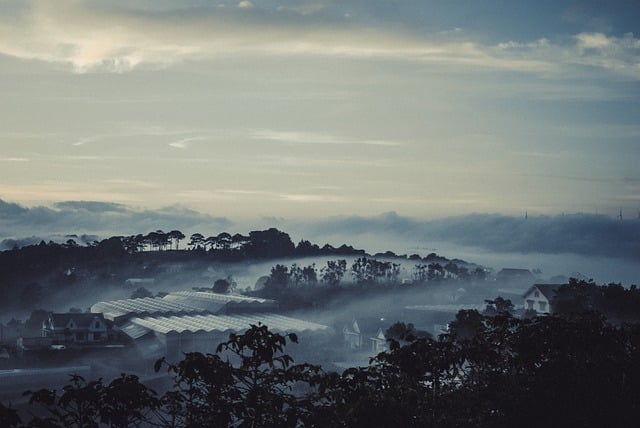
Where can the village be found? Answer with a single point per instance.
(129, 335)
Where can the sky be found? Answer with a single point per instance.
(312, 109)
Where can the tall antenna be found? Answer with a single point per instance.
(620, 215)
(526, 214)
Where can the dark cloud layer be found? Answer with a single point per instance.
(21, 225)
(582, 234)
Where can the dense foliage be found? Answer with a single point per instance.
(487, 371)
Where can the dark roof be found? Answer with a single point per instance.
(548, 290)
(82, 320)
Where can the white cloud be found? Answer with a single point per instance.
(245, 4)
(300, 137)
(593, 40)
(301, 197)
(183, 143)
(85, 140)
(13, 159)
(118, 40)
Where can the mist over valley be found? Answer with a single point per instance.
(319, 213)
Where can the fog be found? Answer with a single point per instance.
(599, 247)
(371, 308)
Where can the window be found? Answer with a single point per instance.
(536, 294)
(543, 306)
(97, 324)
(529, 304)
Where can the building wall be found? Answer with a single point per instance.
(537, 301)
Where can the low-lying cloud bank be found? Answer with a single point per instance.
(582, 234)
(89, 220)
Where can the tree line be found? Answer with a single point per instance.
(287, 282)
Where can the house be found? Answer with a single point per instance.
(75, 327)
(539, 297)
(352, 335)
(371, 338)
(378, 342)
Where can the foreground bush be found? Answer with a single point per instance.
(488, 371)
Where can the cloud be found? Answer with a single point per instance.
(299, 137)
(582, 234)
(298, 197)
(245, 4)
(97, 218)
(13, 159)
(90, 206)
(183, 143)
(588, 243)
(119, 38)
(600, 51)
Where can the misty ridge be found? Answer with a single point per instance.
(581, 234)
(584, 234)
(266, 263)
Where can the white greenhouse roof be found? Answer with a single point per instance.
(224, 323)
(141, 307)
(134, 331)
(177, 303)
(213, 302)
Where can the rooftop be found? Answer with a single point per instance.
(81, 320)
(217, 323)
(142, 307)
(178, 303)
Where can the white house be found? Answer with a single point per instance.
(378, 342)
(75, 327)
(539, 297)
(352, 335)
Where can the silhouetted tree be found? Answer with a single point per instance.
(196, 241)
(333, 273)
(141, 293)
(176, 236)
(497, 306)
(420, 273)
(269, 243)
(221, 286)
(277, 282)
(257, 392)
(435, 271)
(309, 274)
